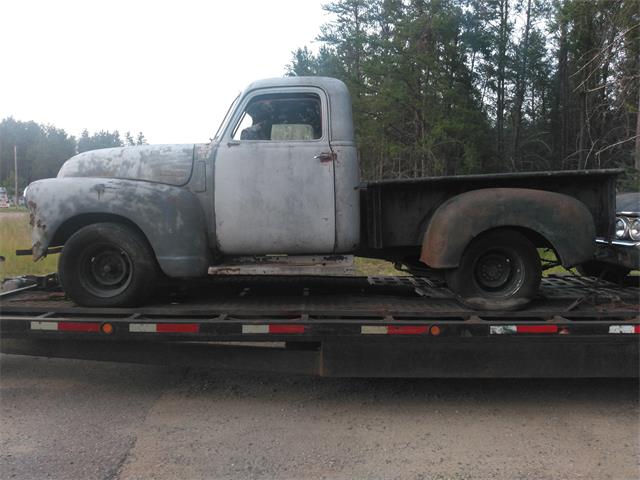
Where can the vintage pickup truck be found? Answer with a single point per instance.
(281, 177)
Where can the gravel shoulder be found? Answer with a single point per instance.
(72, 419)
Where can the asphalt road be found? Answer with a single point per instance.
(66, 419)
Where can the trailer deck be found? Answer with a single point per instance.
(345, 326)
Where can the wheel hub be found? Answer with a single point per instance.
(106, 271)
(109, 267)
(493, 270)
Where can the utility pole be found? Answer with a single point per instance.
(15, 166)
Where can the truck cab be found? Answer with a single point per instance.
(286, 172)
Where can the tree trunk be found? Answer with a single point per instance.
(520, 89)
(637, 147)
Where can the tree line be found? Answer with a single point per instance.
(42, 149)
(445, 87)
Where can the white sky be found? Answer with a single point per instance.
(167, 68)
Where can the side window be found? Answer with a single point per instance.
(281, 117)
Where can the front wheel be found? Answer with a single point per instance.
(107, 265)
(499, 270)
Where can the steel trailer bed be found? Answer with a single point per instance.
(339, 326)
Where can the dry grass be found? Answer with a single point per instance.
(374, 267)
(15, 234)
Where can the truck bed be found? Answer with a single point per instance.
(396, 212)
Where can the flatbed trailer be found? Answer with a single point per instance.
(396, 326)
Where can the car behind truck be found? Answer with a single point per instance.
(281, 177)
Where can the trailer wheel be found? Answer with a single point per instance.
(499, 270)
(107, 265)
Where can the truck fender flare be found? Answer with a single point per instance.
(170, 218)
(563, 221)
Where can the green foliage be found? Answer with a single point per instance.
(101, 139)
(42, 149)
(443, 87)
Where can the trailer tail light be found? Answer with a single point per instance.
(106, 328)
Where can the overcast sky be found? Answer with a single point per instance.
(166, 68)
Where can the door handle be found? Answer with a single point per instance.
(325, 157)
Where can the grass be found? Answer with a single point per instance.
(374, 267)
(15, 234)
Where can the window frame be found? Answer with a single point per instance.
(250, 96)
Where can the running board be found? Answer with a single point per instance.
(332, 265)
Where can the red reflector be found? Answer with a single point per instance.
(79, 326)
(177, 327)
(537, 328)
(406, 330)
(286, 328)
(636, 329)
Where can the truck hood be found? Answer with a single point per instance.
(169, 164)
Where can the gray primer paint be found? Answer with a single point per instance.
(170, 164)
(170, 217)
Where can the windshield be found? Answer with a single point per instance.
(226, 118)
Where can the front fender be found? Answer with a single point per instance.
(563, 221)
(170, 217)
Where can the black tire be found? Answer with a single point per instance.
(605, 271)
(499, 270)
(107, 265)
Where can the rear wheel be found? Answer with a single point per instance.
(107, 265)
(499, 270)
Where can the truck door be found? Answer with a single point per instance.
(274, 176)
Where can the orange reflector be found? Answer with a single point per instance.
(106, 328)
(435, 330)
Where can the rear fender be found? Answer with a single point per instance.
(563, 221)
(169, 217)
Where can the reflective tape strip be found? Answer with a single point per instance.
(164, 327)
(66, 326)
(407, 330)
(255, 328)
(286, 328)
(177, 328)
(44, 325)
(502, 329)
(537, 329)
(394, 329)
(373, 330)
(511, 329)
(282, 328)
(79, 326)
(624, 329)
(142, 327)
